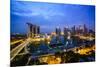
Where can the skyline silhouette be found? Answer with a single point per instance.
(50, 15)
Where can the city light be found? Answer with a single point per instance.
(56, 34)
(63, 40)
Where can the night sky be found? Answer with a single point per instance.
(50, 15)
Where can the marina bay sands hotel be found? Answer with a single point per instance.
(33, 30)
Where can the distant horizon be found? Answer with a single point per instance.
(49, 16)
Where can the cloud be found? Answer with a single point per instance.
(26, 14)
(30, 9)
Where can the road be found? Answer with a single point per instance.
(17, 49)
(12, 43)
(86, 37)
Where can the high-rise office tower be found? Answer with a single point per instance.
(73, 31)
(58, 31)
(38, 29)
(65, 31)
(85, 30)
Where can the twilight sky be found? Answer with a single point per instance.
(49, 15)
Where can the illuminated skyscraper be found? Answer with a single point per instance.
(29, 34)
(65, 31)
(58, 31)
(81, 29)
(73, 30)
(38, 29)
(85, 30)
(33, 30)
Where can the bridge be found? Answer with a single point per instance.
(12, 43)
(17, 49)
(85, 37)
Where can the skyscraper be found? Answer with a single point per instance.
(29, 34)
(73, 30)
(65, 31)
(85, 30)
(58, 31)
(38, 29)
(80, 29)
(33, 30)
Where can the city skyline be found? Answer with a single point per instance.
(50, 15)
(51, 33)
